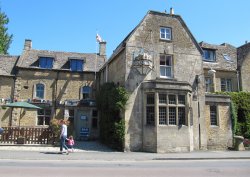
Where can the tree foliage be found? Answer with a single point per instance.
(5, 38)
(111, 101)
(240, 111)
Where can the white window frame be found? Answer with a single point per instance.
(165, 33)
(227, 83)
(43, 116)
(165, 67)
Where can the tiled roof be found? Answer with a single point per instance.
(7, 64)
(29, 59)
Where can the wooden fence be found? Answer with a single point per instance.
(27, 135)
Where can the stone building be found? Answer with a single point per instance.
(161, 65)
(63, 84)
(171, 79)
(244, 66)
(7, 82)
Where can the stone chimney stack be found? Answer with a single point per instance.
(27, 44)
(102, 48)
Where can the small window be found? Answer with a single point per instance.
(208, 83)
(39, 91)
(166, 66)
(76, 65)
(86, 90)
(209, 55)
(226, 85)
(43, 116)
(213, 115)
(46, 62)
(227, 58)
(165, 33)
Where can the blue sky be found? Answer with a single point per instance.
(71, 25)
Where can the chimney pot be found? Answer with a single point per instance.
(171, 11)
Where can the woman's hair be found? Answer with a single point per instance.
(70, 137)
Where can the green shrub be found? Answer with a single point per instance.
(111, 101)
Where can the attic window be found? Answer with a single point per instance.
(76, 65)
(166, 33)
(209, 55)
(46, 62)
(227, 57)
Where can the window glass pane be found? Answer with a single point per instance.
(150, 115)
(213, 115)
(76, 65)
(39, 120)
(163, 71)
(150, 99)
(165, 33)
(47, 112)
(172, 99)
(47, 120)
(163, 98)
(209, 54)
(181, 116)
(86, 89)
(166, 65)
(181, 99)
(94, 122)
(40, 112)
(94, 113)
(40, 91)
(45, 62)
(208, 83)
(172, 116)
(162, 115)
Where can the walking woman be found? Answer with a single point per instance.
(63, 136)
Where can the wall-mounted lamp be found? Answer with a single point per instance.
(211, 71)
(143, 63)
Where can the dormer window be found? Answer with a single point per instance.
(76, 65)
(166, 33)
(46, 62)
(209, 55)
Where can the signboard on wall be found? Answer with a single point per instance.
(66, 113)
(83, 117)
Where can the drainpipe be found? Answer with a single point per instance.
(238, 80)
(55, 94)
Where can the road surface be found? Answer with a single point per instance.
(149, 168)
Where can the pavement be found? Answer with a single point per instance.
(93, 150)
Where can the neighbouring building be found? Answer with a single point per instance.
(221, 75)
(244, 66)
(63, 84)
(7, 85)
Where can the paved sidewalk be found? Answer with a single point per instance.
(98, 152)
